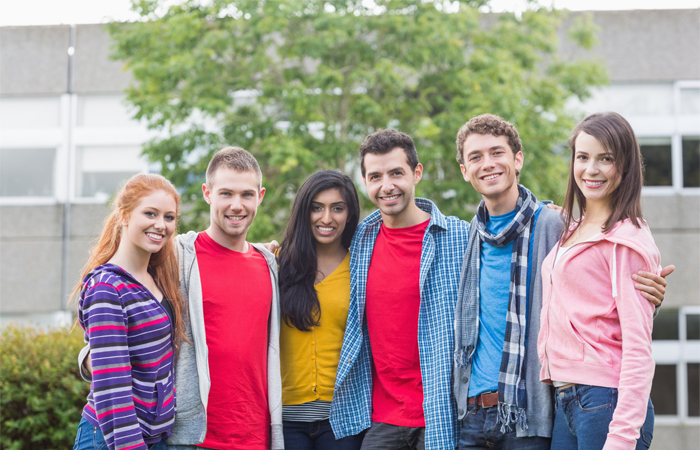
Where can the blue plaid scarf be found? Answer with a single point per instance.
(512, 400)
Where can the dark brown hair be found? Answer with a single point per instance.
(488, 124)
(615, 134)
(234, 158)
(384, 141)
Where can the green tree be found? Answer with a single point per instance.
(300, 83)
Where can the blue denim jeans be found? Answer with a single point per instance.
(481, 430)
(91, 438)
(316, 436)
(88, 437)
(385, 436)
(583, 414)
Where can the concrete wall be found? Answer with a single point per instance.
(675, 224)
(643, 45)
(31, 246)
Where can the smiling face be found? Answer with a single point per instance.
(390, 182)
(329, 214)
(594, 170)
(491, 167)
(234, 198)
(151, 223)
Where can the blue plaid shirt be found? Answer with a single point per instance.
(444, 244)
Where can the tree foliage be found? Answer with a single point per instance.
(300, 83)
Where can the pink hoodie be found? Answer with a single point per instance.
(589, 304)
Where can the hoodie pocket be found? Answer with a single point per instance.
(563, 341)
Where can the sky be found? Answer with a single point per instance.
(53, 12)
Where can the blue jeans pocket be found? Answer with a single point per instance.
(594, 398)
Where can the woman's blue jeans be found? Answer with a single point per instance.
(89, 437)
(317, 436)
(583, 414)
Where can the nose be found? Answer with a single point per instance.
(387, 184)
(236, 204)
(592, 167)
(160, 223)
(488, 162)
(326, 216)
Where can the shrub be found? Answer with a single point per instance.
(41, 392)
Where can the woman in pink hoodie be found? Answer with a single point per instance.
(595, 338)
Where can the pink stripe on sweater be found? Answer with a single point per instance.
(105, 327)
(145, 324)
(133, 446)
(119, 287)
(155, 363)
(111, 369)
(138, 400)
(114, 411)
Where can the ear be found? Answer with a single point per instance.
(465, 174)
(261, 194)
(519, 160)
(206, 193)
(418, 174)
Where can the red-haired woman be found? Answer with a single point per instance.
(130, 308)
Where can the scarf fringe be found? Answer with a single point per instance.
(510, 416)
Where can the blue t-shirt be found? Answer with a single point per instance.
(494, 286)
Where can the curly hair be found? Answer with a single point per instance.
(488, 124)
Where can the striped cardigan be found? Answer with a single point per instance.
(132, 395)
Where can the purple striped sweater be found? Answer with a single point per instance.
(132, 395)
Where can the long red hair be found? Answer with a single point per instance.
(162, 264)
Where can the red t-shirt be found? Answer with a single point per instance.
(393, 302)
(237, 297)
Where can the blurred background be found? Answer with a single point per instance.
(94, 92)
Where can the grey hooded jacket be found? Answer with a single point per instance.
(540, 400)
(192, 368)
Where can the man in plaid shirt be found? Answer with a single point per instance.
(394, 370)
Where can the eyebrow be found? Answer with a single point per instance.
(479, 150)
(334, 203)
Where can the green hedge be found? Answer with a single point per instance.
(41, 392)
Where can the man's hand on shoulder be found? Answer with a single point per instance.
(652, 286)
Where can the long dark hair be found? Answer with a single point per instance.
(297, 256)
(615, 134)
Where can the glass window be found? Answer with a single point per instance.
(690, 101)
(27, 172)
(657, 161)
(692, 323)
(693, 390)
(102, 170)
(666, 325)
(691, 161)
(663, 390)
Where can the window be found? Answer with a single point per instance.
(27, 172)
(691, 161)
(658, 165)
(675, 391)
(102, 170)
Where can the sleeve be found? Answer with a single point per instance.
(637, 370)
(105, 323)
(82, 357)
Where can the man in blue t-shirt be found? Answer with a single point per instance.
(500, 400)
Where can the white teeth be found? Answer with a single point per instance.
(235, 218)
(155, 236)
(594, 183)
(326, 229)
(393, 197)
(490, 177)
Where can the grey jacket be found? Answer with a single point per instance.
(192, 368)
(540, 401)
